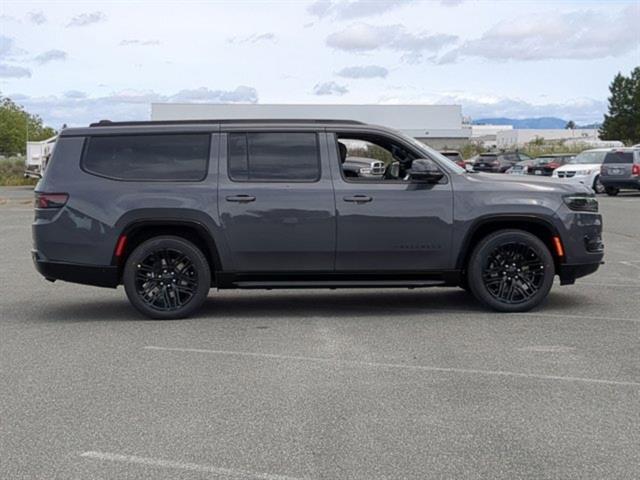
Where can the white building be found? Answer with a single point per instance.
(519, 137)
(440, 126)
(487, 134)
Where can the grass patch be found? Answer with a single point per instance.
(12, 172)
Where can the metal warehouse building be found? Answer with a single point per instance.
(439, 126)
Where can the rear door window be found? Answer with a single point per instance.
(166, 157)
(273, 157)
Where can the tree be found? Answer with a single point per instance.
(571, 125)
(622, 122)
(15, 123)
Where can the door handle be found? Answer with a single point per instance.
(240, 198)
(358, 199)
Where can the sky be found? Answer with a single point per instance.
(75, 62)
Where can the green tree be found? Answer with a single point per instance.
(571, 125)
(622, 122)
(15, 122)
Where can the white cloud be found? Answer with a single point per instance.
(362, 37)
(330, 88)
(136, 42)
(37, 17)
(50, 56)
(367, 71)
(255, 38)
(348, 10)
(85, 19)
(12, 71)
(75, 107)
(584, 34)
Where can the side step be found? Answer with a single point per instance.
(339, 284)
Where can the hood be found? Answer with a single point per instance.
(579, 167)
(526, 184)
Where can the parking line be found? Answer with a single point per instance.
(568, 315)
(193, 467)
(425, 368)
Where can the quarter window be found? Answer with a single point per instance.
(171, 157)
(274, 156)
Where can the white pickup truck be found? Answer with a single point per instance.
(38, 154)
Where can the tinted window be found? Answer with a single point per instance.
(273, 156)
(148, 157)
(619, 157)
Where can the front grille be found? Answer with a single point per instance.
(566, 174)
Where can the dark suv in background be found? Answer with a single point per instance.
(621, 170)
(498, 162)
(171, 209)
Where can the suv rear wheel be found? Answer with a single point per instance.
(511, 271)
(167, 277)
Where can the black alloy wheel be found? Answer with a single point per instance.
(511, 271)
(166, 277)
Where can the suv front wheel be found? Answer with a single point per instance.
(166, 278)
(511, 271)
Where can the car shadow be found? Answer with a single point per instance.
(237, 304)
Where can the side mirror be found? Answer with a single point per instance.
(424, 170)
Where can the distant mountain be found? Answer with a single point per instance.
(541, 122)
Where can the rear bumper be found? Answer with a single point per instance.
(100, 276)
(632, 183)
(569, 273)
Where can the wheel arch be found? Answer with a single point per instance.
(540, 227)
(197, 232)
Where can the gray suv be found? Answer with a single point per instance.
(171, 209)
(621, 170)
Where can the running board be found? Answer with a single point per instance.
(339, 284)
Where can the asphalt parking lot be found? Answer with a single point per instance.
(352, 384)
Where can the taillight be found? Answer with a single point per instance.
(495, 163)
(50, 200)
(635, 170)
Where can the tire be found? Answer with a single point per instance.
(597, 185)
(612, 191)
(166, 278)
(502, 286)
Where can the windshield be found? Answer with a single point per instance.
(589, 157)
(431, 153)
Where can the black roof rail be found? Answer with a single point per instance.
(109, 123)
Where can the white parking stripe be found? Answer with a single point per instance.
(396, 365)
(194, 467)
(566, 315)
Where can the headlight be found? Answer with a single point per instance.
(582, 203)
(584, 172)
(364, 171)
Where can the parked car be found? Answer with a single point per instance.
(584, 169)
(455, 156)
(521, 168)
(498, 162)
(170, 210)
(621, 170)
(363, 167)
(546, 164)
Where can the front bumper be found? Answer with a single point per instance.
(569, 273)
(97, 275)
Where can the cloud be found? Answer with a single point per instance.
(368, 71)
(330, 88)
(85, 19)
(37, 17)
(12, 71)
(584, 34)
(136, 42)
(74, 107)
(8, 50)
(50, 56)
(581, 110)
(242, 94)
(255, 38)
(362, 37)
(349, 10)
(451, 3)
